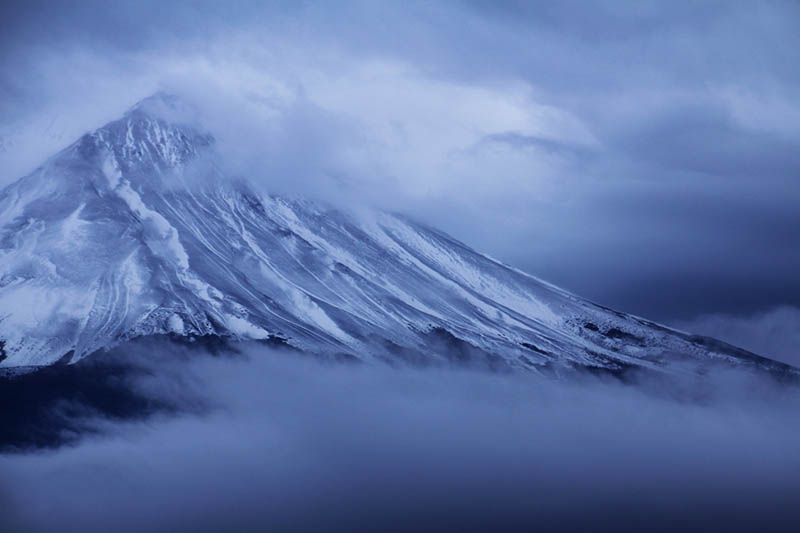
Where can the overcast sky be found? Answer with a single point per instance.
(643, 154)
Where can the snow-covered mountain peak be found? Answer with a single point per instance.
(95, 250)
(158, 134)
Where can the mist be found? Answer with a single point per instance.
(267, 439)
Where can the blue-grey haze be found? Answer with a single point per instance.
(276, 441)
(643, 154)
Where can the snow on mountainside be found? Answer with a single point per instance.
(108, 241)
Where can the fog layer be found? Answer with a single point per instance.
(273, 440)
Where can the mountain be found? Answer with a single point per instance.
(135, 231)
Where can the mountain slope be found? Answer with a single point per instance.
(133, 230)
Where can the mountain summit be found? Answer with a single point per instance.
(114, 238)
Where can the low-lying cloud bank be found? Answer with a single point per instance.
(279, 441)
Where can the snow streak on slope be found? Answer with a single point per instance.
(106, 242)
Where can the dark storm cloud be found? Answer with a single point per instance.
(705, 139)
(656, 171)
(289, 443)
(681, 245)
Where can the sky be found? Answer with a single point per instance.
(645, 155)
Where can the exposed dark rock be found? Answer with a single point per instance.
(616, 333)
(535, 348)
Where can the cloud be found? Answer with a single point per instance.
(629, 152)
(287, 442)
